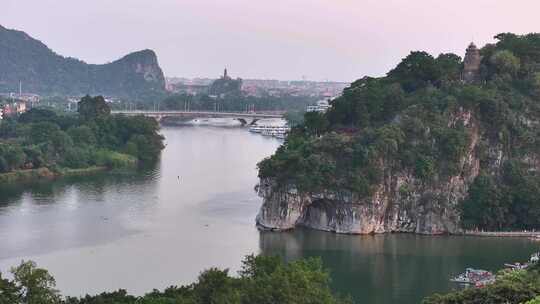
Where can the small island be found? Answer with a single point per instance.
(43, 144)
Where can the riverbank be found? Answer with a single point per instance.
(45, 173)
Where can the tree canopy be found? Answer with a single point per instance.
(262, 280)
(41, 138)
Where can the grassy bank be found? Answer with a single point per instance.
(26, 175)
(106, 160)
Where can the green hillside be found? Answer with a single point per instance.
(23, 59)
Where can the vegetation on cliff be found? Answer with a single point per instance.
(136, 76)
(424, 121)
(261, 280)
(40, 138)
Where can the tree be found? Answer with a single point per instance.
(416, 71)
(534, 301)
(10, 293)
(90, 108)
(4, 166)
(315, 123)
(216, 287)
(505, 62)
(76, 157)
(449, 65)
(485, 206)
(37, 286)
(34, 156)
(142, 147)
(268, 280)
(82, 135)
(35, 115)
(8, 128)
(14, 156)
(61, 141)
(42, 132)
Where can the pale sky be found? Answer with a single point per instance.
(339, 40)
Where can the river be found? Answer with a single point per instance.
(161, 226)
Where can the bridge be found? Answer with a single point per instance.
(243, 117)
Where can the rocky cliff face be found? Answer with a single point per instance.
(42, 71)
(401, 202)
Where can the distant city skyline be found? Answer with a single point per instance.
(335, 40)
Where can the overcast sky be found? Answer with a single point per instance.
(278, 39)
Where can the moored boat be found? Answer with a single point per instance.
(474, 276)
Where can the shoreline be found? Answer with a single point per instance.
(30, 175)
(492, 234)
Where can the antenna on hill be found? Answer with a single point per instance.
(20, 88)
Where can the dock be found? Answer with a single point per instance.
(528, 234)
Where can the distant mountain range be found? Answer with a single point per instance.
(137, 76)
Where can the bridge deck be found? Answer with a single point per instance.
(201, 113)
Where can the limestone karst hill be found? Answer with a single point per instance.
(438, 145)
(136, 76)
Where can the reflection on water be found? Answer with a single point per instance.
(194, 211)
(47, 216)
(161, 226)
(395, 268)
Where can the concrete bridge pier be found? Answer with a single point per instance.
(247, 121)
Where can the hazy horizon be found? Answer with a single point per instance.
(340, 40)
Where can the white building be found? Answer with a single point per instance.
(321, 106)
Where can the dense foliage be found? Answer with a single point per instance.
(261, 280)
(226, 86)
(412, 121)
(511, 287)
(136, 76)
(41, 138)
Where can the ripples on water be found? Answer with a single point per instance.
(195, 209)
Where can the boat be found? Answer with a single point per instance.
(535, 257)
(275, 131)
(484, 282)
(462, 278)
(473, 276)
(281, 135)
(516, 266)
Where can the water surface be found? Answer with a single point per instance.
(195, 209)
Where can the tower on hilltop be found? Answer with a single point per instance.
(471, 64)
(225, 75)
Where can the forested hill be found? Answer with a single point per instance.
(136, 76)
(420, 150)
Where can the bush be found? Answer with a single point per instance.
(112, 159)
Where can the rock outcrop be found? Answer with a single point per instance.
(401, 202)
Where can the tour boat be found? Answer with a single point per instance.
(275, 131)
(473, 276)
